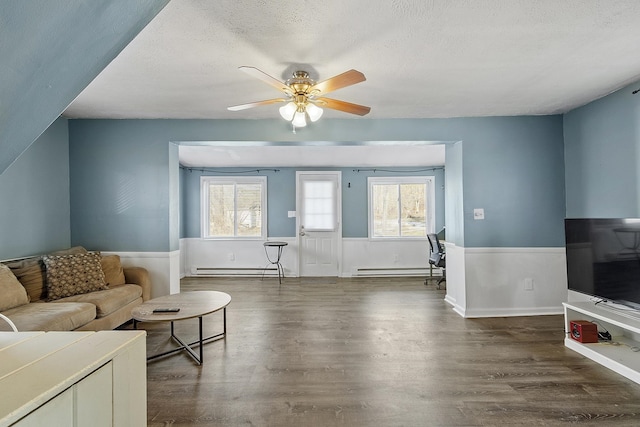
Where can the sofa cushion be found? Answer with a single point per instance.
(74, 274)
(113, 271)
(107, 301)
(43, 316)
(31, 273)
(12, 293)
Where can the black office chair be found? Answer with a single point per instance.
(437, 257)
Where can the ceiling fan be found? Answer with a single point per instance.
(304, 97)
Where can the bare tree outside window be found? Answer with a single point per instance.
(399, 209)
(235, 207)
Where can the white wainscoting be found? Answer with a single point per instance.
(506, 281)
(163, 267)
(360, 257)
(481, 282)
(366, 257)
(202, 257)
(456, 293)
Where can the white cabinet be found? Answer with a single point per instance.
(93, 403)
(622, 353)
(58, 412)
(73, 378)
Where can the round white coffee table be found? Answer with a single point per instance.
(190, 305)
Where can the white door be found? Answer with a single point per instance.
(319, 222)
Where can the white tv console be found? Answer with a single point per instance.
(622, 354)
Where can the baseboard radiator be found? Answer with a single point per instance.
(393, 271)
(233, 271)
(272, 271)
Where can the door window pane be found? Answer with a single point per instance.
(319, 205)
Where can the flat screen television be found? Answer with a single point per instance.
(603, 258)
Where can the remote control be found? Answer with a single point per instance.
(166, 310)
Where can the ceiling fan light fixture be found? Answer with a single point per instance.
(299, 119)
(305, 99)
(288, 110)
(314, 112)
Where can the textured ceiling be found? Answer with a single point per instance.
(422, 58)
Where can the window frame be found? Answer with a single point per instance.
(206, 181)
(430, 200)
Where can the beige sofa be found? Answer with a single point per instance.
(70, 290)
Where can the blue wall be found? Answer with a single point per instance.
(124, 186)
(602, 149)
(513, 167)
(123, 175)
(34, 213)
(281, 192)
(51, 51)
(454, 195)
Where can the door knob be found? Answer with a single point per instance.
(302, 233)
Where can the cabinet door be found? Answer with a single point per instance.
(93, 399)
(58, 412)
(130, 386)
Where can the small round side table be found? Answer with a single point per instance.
(279, 246)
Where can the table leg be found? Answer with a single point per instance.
(200, 336)
(188, 347)
(275, 262)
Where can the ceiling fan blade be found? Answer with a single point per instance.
(256, 104)
(345, 79)
(261, 75)
(347, 107)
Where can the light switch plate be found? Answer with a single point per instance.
(291, 214)
(478, 213)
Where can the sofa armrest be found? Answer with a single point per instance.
(139, 276)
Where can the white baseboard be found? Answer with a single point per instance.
(515, 312)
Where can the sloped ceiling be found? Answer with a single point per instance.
(49, 52)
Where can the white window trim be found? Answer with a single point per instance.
(205, 181)
(429, 180)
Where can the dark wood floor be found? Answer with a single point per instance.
(375, 352)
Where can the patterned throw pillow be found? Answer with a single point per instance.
(74, 274)
(32, 274)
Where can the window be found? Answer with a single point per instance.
(319, 199)
(234, 207)
(401, 207)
